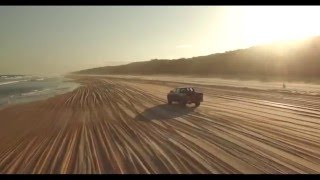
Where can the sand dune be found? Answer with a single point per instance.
(125, 126)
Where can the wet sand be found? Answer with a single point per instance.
(125, 126)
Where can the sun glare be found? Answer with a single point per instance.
(269, 24)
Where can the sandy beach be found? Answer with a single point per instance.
(113, 126)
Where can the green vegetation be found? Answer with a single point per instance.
(298, 59)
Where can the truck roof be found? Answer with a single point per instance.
(183, 87)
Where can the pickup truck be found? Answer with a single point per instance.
(185, 95)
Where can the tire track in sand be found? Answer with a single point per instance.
(117, 126)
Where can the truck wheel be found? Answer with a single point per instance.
(183, 103)
(197, 104)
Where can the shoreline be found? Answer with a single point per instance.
(66, 85)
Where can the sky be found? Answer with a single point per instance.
(51, 40)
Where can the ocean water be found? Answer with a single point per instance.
(20, 89)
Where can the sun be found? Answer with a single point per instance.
(265, 24)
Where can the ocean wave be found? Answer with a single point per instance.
(9, 82)
(14, 77)
(35, 92)
(35, 79)
(12, 82)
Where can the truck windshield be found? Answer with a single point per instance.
(183, 90)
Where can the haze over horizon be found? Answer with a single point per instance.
(56, 40)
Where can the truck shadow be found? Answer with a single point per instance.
(164, 112)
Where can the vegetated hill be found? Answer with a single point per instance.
(298, 59)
